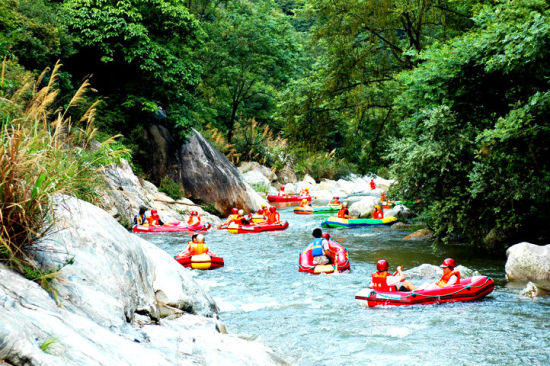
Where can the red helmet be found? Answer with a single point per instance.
(336, 197)
(153, 212)
(193, 213)
(234, 211)
(282, 188)
(448, 262)
(325, 236)
(382, 265)
(272, 209)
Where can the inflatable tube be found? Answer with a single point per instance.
(277, 198)
(173, 227)
(257, 218)
(337, 222)
(208, 260)
(342, 260)
(309, 210)
(471, 288)
(257, 228)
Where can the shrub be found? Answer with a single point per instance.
(171, 188)
(323, 165)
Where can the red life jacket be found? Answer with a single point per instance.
(378, 214)
(197, 248)
(263, 211)
(379, 282)
(446, 277)
(343, 212)
(194, 220)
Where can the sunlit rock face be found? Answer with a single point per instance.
(528, 262)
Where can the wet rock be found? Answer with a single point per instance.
(112, 298)
(528, 262)
(207, 175)
(399, 211)
(532, 290)
(255, 177)
(401, 226)
(364, 207)
(422, 234)
(286, 175)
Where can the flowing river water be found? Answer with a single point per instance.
(314, 320)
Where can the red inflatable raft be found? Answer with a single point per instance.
(256, 228)
(342, 260)
(173, 227)
(208, 260)
(471, 288)
(285, 198)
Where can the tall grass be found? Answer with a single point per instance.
(42, 152)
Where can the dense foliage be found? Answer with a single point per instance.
(451, 95)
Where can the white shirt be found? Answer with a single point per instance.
(393, 280)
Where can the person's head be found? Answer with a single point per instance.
(317, 232)
(325, 236)
(306, 189)
(336, 198)
(345, 204)
(382, 265)
(304, 201)
(377, 207)
(263, 205)
(241, 212)
(272, 209)
(194, 213)
(142, 210)
(448, 263)
(194, 238)
(154, 213)
(282, 188)
(234, 211)
(200, 238)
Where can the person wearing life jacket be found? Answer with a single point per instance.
(382, 280)
(240, 219)
(377, 213)
(450, 276)
(154, 219)
(140, 218)
(194, 219)
(304, 192)
(304, 203)
(197, 247)
(335, 202)
(372, 184)
(282, 191)
(231, 218)
(273, 217)
(320, 249)
(263, 210)
(344, 212)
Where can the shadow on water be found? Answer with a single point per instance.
(310, 319)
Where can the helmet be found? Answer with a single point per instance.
(382, 265)
(304, 200)
(345, 204)
(263, 205)
(234, 210)
(377, 207)
(336, 197)
(200, 237)
(282, 188)
(272, 209)
(325, 236)
(448, 262)
(153, 212)
(193, 213)
(241, 212)
(307, 188)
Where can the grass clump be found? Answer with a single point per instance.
(323, 165)
(42, 152)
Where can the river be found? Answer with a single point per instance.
(314, 320)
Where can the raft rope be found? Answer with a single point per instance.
(414, 294)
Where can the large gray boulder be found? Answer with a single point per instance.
(364, 207)
(123, 301)
(248, 166)
(207, 175)
(528, 262)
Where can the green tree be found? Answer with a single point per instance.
(475, 126)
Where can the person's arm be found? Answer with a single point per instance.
(452, 280)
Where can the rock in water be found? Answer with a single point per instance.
(117, 298)
(528, 262)
(207, 175)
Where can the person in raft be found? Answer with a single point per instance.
(320, 249)
(240, 219)
(154, 219)
(263, 210)
(382, 280)
(377, 213)
(140, 218)
(344, 212)
(450, 277)
(273, 217)
(197, 245)
(230, 218)
(335, 202)
(304, 192)
(194, 219)
(304, 203)
(282, 191)
(372, 184)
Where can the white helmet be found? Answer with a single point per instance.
(200, 238)
(241, 212)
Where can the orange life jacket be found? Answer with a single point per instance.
(335, 203)
(378, 214)
(446, 277)
(273, 217)
(343, 212)
(231, 218)
(152, 221)
(263, 211)
(303, 204)
(197, 248)
(379, 282)
(194, 220)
